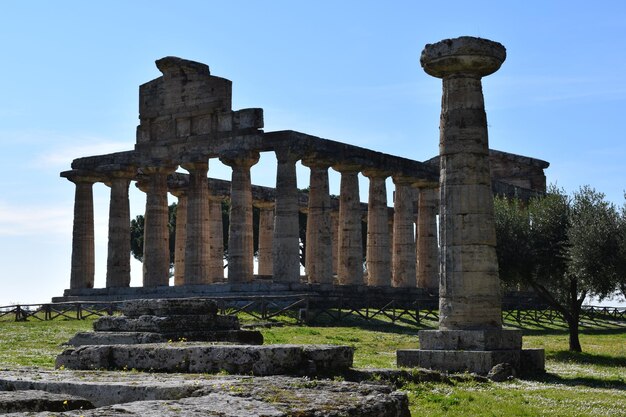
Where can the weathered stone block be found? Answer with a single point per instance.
(114, 338)
(165, 324)
(470, 339)
(33, 401)
(532, 361)
(479, 362)
(165, 307)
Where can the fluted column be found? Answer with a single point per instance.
(181, 236)
(350, 257)
(240, 244)
(403, 257)
(286, 243)
(216, 239)
(156, 251)
(469, 289)
(334, 230)
(266, 236)
(197, 242)
(378, 249)
(83, 252)
(427, 246)
(319, 247)
(118, 255)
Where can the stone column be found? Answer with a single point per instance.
(469, 290)
(470, 336)
(350, 256)
(334, 230)
(118, 255)
(181, 236)
(427, 245)
(216, 239)
(286, 243)
(156, 250)
(197, 242)
(240, 244)
(266, 236)
(403, 257)
(378, 249)
(319, 247)
(83, 252)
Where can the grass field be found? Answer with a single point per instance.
(592, 383)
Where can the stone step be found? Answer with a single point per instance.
(33, 401)
(165, 307)
(174, 323)
(249, 337)
(204, 358)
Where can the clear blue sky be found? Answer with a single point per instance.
(342, 70)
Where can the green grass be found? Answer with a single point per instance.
(592, 383)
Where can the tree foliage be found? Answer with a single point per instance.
(564, 248)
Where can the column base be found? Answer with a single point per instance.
(474, 351)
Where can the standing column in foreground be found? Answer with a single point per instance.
(240, 244)
(118, 255)
(378, 249)
(403, 257)
(319, 245)
(470, 336)
(350, 256)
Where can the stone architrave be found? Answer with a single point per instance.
(197, 239)
(470, 336)
(83, 252)
(286, 242)
(266, 236)
(181, 236)
(240, 244)
(403, 248)
(216, 239)
(427, 246)
(118, 255)
(319, 242)
(350, 251)
(156, 251)
(378, 248)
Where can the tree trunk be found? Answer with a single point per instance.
(574, 342)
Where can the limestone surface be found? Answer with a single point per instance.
(132, 393)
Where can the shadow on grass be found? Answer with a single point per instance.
(400, 326)
(586, 358)
(546, 331)
(591, 382)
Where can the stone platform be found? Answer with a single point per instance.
(142, 394)
(476, 351)
(167, 320)
(204, 358)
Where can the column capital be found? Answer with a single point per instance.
(376, 173)
(403, 180)
(422, 183)
(236, 158)
(82, 176)
(474, 57)
(195, 164)
(315, 162)
(288, 154)
(263, 204)
(347, 167)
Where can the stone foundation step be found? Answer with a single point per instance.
(173, 323)
(246, 337)
(169, 306)
(205, 358)
(524, 361)
(152, 394)
(33, 401)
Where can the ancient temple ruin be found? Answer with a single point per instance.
(186, 120)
